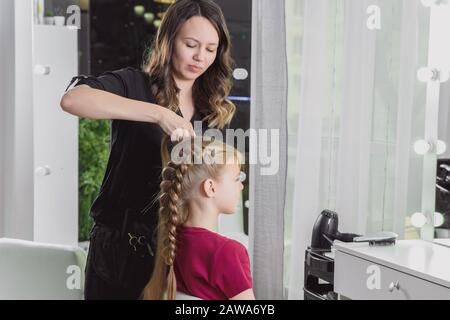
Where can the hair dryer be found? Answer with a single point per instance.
(325, 231)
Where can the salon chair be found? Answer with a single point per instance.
(31, 270)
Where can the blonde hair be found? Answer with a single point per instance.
(178, 182)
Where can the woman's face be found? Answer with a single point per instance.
(195, 48)
(229, 187)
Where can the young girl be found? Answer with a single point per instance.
(191, 257)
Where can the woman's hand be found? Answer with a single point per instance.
(86, 102)
(175, 126)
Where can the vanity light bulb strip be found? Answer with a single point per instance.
(418, 219)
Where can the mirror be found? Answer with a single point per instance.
(438, 114)
(363, 103)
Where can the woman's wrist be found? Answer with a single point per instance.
(156, 113)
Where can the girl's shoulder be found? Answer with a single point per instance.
(222, 243)
(229, 247)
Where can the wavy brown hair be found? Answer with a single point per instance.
(211, 89)
(179, 179)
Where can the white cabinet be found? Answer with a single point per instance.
(55, 134)
(39, 142)
(409, 270)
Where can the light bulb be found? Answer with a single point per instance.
(426, 74)
(422, 147)
(438, 219)
(139, 10)
(240, 74)
(157, 23)
(418, 220)
(149, 17)
(441, 147)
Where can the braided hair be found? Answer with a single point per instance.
(179, 179)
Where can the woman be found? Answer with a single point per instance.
(186, 78)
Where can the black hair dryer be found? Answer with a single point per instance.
(325, 231)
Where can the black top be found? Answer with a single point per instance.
(133, 172)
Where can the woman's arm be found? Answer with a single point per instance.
(244, 295)
(86, 102)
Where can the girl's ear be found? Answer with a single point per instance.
(209, 188)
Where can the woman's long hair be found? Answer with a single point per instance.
(211, 89)
(201, 159)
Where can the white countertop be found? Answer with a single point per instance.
(424, 259)
(444, 242)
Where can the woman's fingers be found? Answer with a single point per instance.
(176, 135)
(189, 129)
(178, 128)
(181, 133)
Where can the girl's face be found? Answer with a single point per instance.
(228, 189)
(195, 48)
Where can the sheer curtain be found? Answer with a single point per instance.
(268, 114)
(355, 108)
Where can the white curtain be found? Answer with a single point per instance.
(358, 108)
(268, 115)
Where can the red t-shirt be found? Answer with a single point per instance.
(210, 266)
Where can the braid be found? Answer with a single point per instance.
(171, 217)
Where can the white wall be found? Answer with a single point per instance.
(16, 142)
(32, 206)
(6, 106)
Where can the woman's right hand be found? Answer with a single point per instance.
(175, 126)
(86, 102)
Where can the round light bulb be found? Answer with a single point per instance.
(418, 220)
(422, 147)
(444, 75)
(424, 74)
(149, 17)
(139, 10)
(441, 147)
(438, 219)
(157, 23)
(240, 74)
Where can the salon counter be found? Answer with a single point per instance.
(408, 270)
